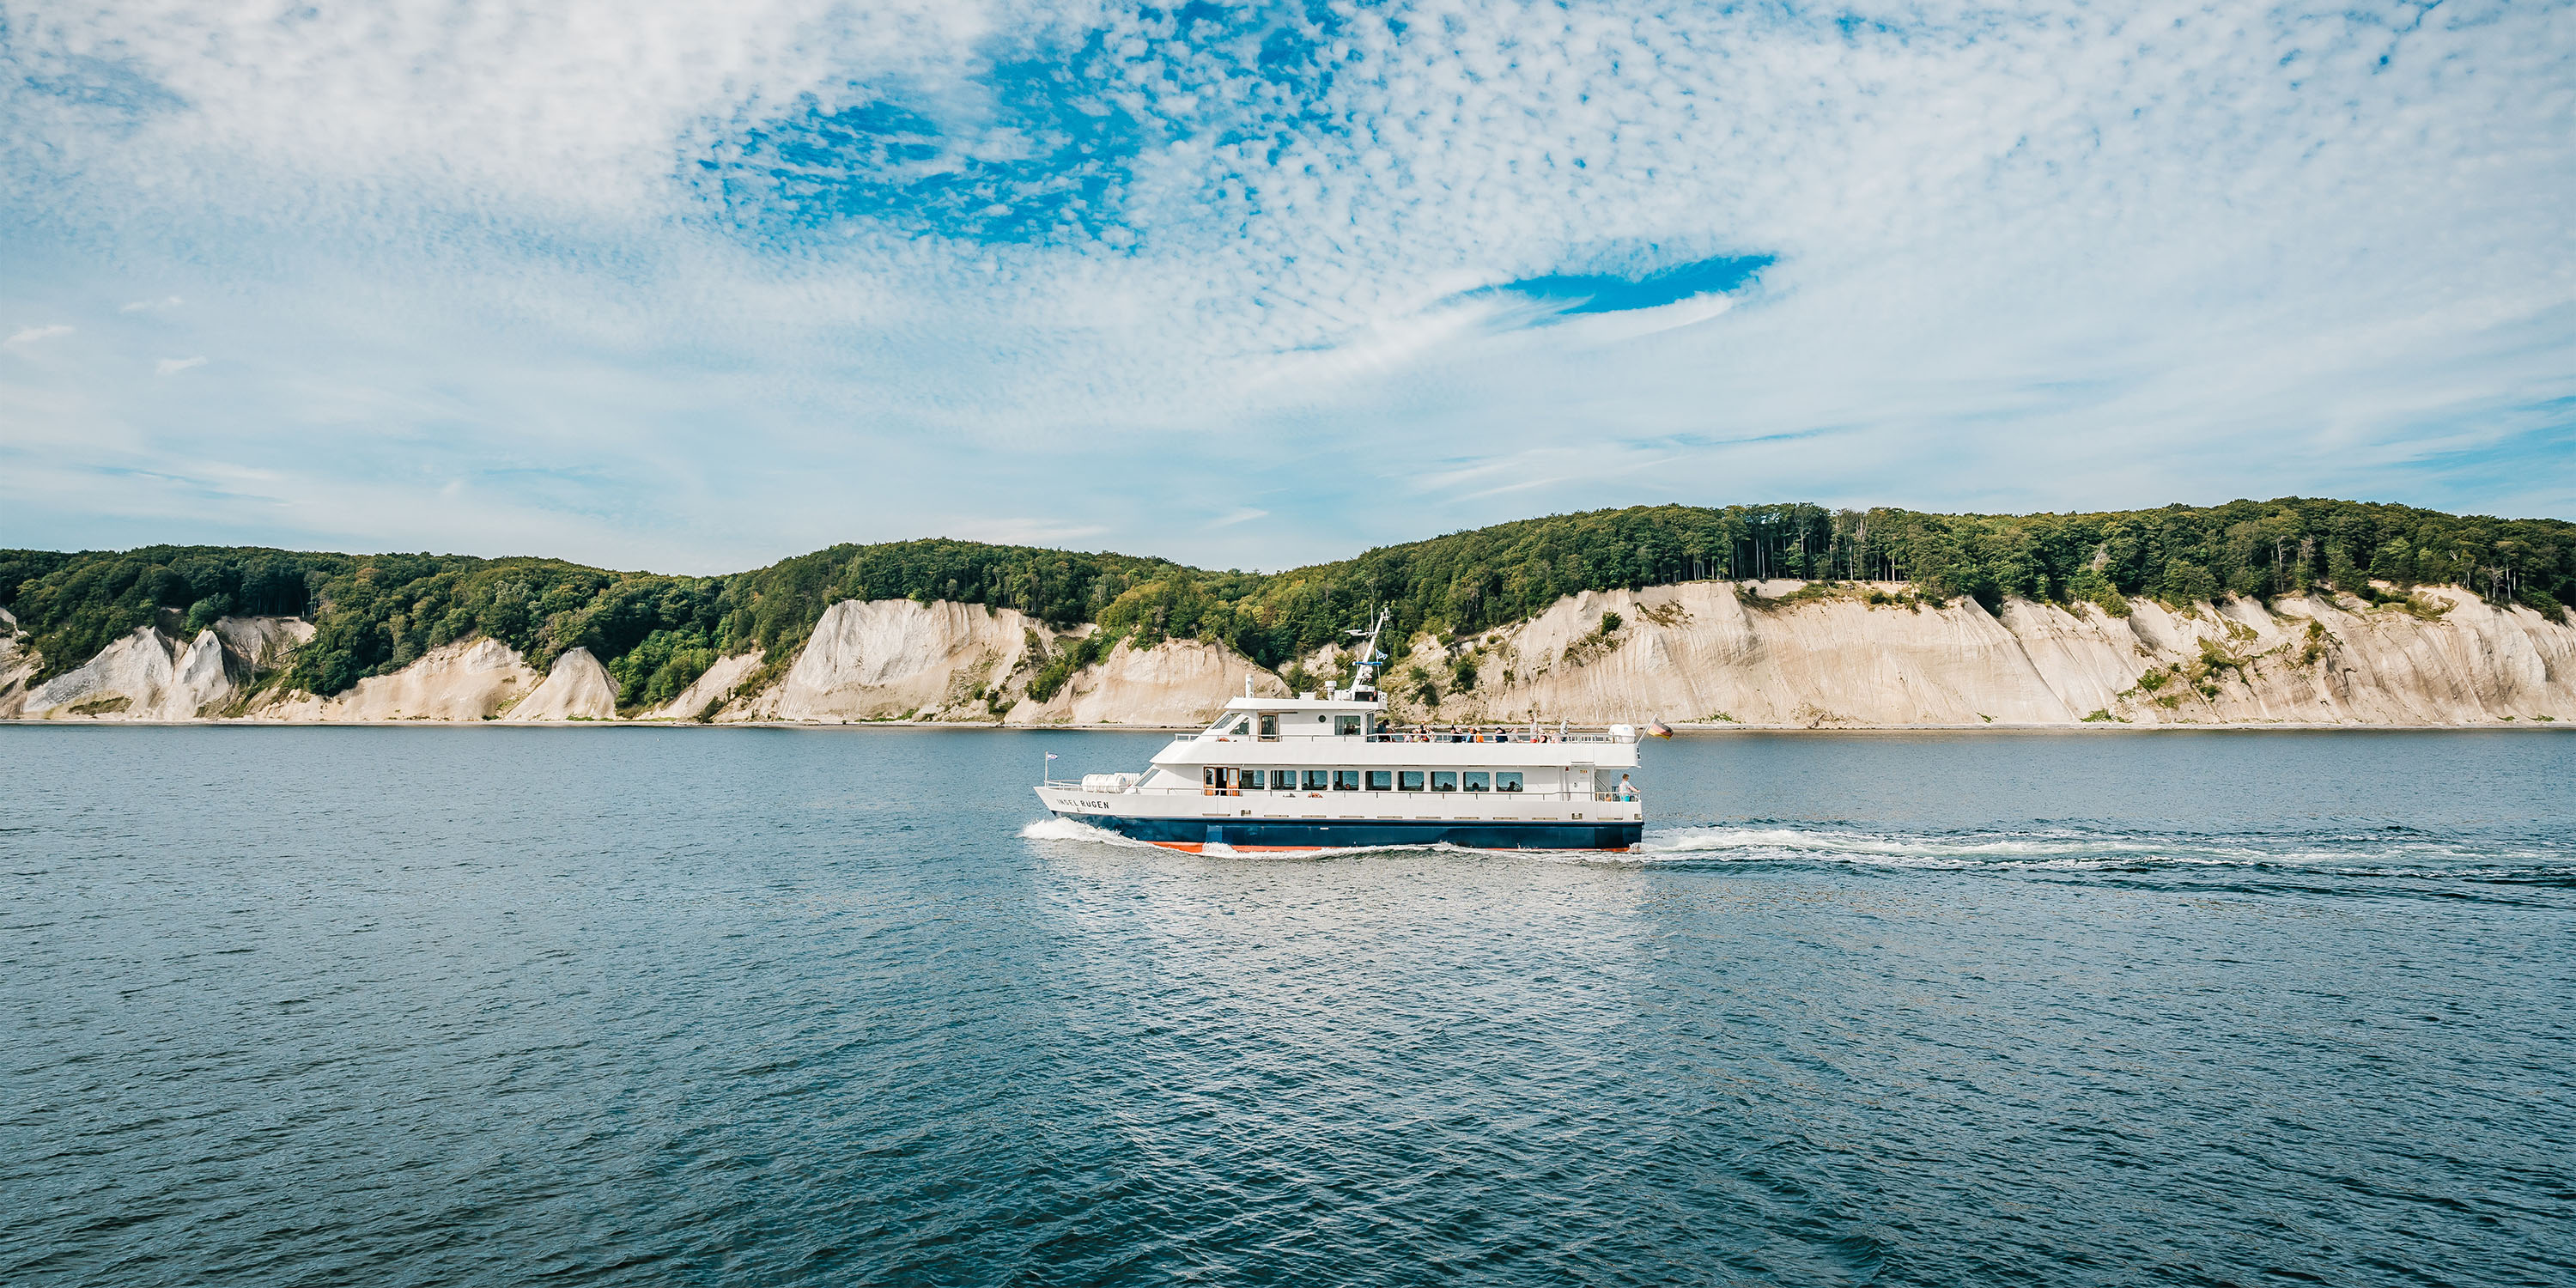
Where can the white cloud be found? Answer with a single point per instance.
(151, 306)
(1018, 531)
(25, 336)
(173, 366)
(2048, 254)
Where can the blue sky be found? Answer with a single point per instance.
(692, 287)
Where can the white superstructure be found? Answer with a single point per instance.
(1330, 771)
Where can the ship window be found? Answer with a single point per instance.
(1381, 780)
(1409, 781)
(1269, 726)
(1444, 780)
(1316, 780)
(1346, 780)
(1507, 780)
(1252, 780)
(1478, 780)
(1283, 780)
(1345, 726)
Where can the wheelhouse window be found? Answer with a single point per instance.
(1478, 780)
(1283, 780)
(1408, 780)
(1381, 780)
(1346, 726)
(1318, 779)
(1346, 780)
(1270, 724)
(1507, 780)
(1444, 780)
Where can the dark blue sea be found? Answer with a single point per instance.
(684, 1006)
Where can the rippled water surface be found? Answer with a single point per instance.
(482, 1006)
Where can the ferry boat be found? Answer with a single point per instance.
(1326, 770)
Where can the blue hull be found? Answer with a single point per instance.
(1259, 834)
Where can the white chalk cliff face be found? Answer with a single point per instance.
(146, 675)
(142, 676)
(1176, 682)
(892, 659)
(1704, 652)
(18, 665)
(475, 679)
(262, 643)
(714, 686)
(578, 688)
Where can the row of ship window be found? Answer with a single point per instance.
(1353, 780)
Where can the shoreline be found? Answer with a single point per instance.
(1679, 729)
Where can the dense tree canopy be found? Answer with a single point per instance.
(374, 614)
(1469, 581)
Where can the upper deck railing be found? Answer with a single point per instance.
(1345, 792)
(1440, 735)
(1496, 735)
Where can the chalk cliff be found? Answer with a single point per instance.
(1780, 654)
(17, 666)
(1176, 682)
(1709, 652)
(893, 659)
(475, 679)
(148, 675)
(708, 690)
(578, 688)
(262, 643)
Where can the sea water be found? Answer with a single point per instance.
(487, 1006)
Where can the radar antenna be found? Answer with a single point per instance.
(1370, 659)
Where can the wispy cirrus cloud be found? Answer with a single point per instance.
(25, 336)
(750, 279)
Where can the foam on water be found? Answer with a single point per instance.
(2390, 852)
(1076, 831)
(2385, 853)
(1056, 828)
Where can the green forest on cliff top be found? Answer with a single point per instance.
(376, 613)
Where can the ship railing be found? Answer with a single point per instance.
(1521, 736)
(1301, 792)
(1495, 735)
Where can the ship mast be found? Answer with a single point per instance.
(1364, 676)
